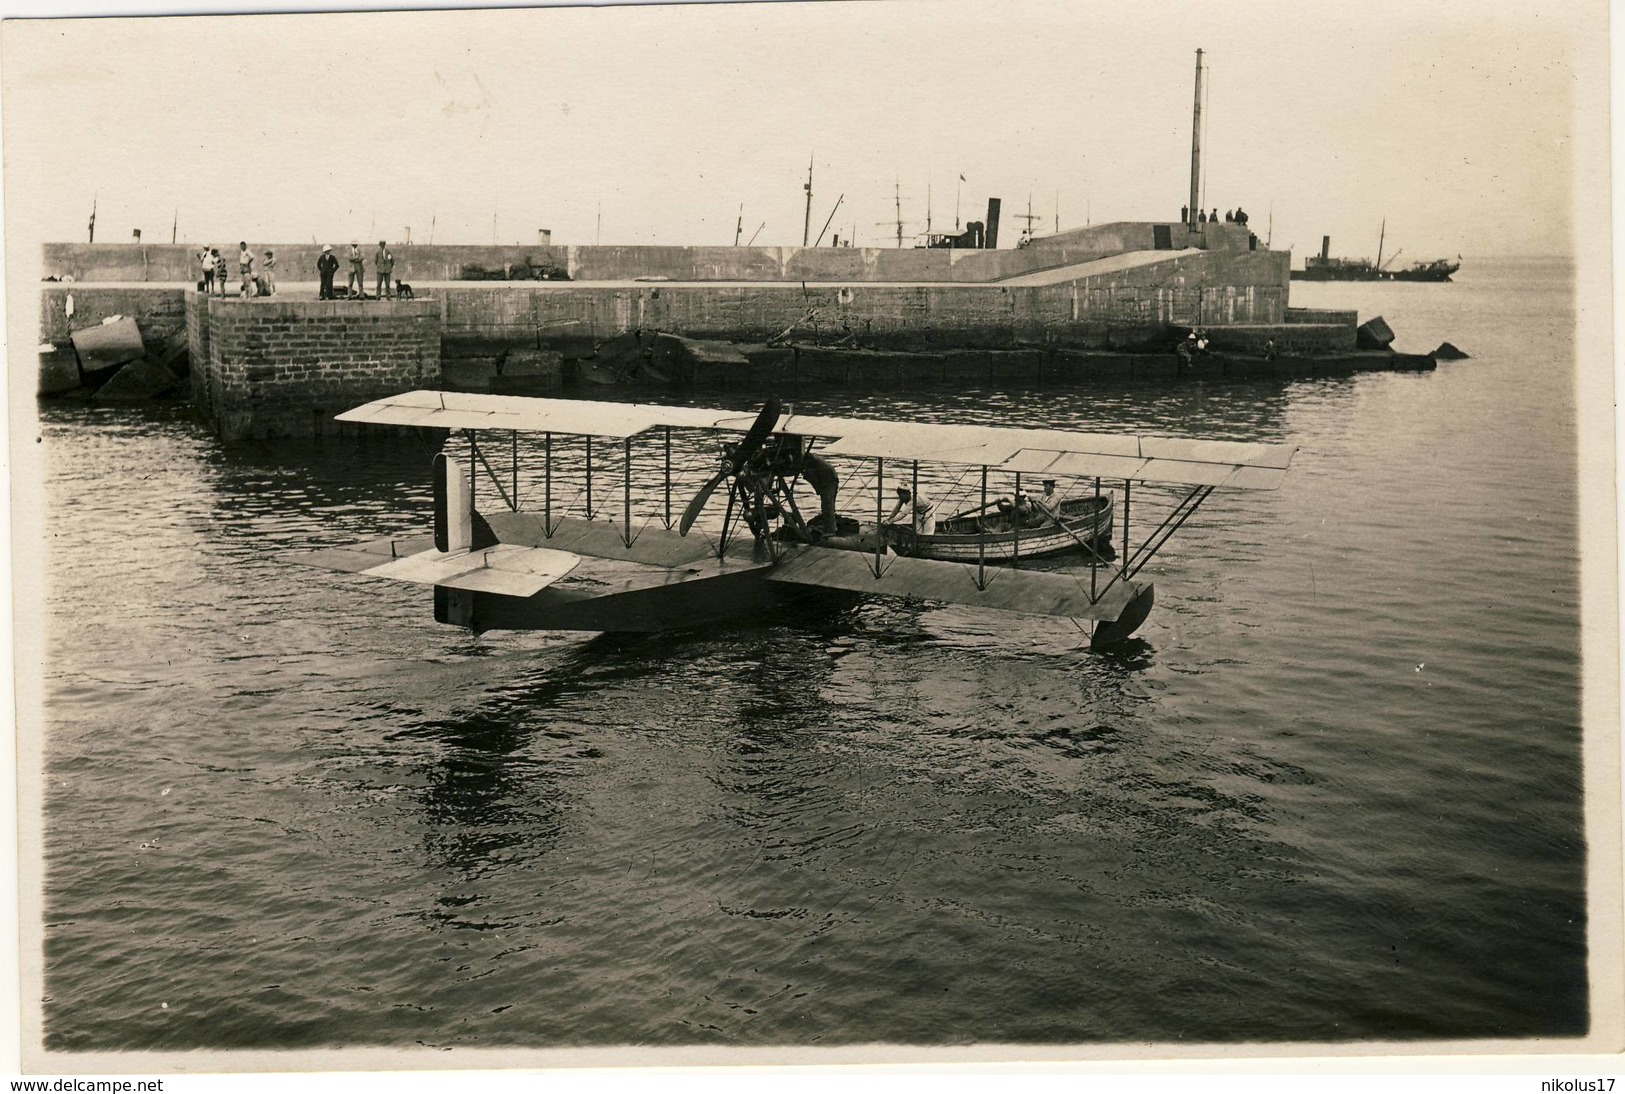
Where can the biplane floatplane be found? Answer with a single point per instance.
(511, 568)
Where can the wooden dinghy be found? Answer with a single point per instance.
(1085, 522)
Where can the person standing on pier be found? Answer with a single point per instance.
(207, 261)
(245, 267)
(326, 266)
(386, 266)
(357, 285)
(268, 273)
(1184, 214)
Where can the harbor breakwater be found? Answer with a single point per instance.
(283, 366)
(177, 263)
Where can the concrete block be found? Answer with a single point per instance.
(1015, 366)
(827, 365)
(1106, 366)
(1161, 367)
(531, 362)
(58, 370)
(137, 382)
(970, 366)
(1374, 333)
(1251, 368)
(1201, 367)
(469, 374)
(108, 345)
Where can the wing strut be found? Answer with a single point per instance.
(626, 494)
(547, 485)
(474, 447)
(668, 478)
(880, 516)
(1133, 564)
(981, 543)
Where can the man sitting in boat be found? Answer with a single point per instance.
(1047, 506)
(1020, 513)
(924, 511)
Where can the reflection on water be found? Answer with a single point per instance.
(1331, 791)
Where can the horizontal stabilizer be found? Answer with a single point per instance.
(507, 569)
(1030, 592)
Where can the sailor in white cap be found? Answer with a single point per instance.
(327, 265)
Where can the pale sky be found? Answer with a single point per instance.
(1451, 120)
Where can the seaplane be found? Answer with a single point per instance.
(633, 558)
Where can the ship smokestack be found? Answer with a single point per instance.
(992, 223)
(1325, 247)
(1196, 143)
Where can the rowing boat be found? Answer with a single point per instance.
(995, 537)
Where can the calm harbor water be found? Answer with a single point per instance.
(1333, 793)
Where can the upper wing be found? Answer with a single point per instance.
(466, 410)
(1051, 452)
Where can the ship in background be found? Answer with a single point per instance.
(1323, 267)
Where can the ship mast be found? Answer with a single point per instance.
(1196, 143)
(1381, 236)
(806, 221)
(1029, 216)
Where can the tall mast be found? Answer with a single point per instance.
(898, 194)
(1381, 236)
(1196, 143)
(806, 222)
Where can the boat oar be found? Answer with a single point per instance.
(1061, 524)
(978, 509)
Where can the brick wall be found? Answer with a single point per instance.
(197, 349)
(284, 368)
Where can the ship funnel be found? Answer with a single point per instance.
(1325, 247)
(992, 222)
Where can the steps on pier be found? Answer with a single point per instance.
(1057, 275)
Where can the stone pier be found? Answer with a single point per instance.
(283, 368)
